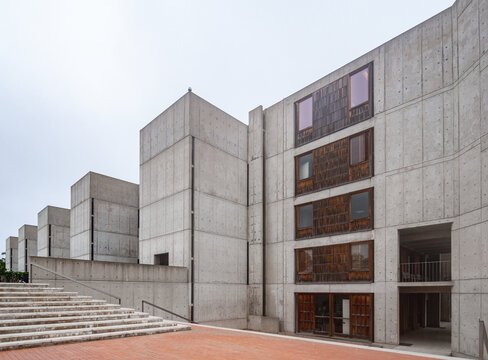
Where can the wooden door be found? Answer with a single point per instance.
(306, 312)
(362, 316)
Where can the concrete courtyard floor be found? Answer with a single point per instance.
(210, 343)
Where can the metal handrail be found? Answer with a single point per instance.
(483, 339)
(425, 271)
(166, 310)
(71, 279)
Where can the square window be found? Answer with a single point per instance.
(358, 149)
(305, 166)
(360, 257)
(359, 83)
(305, 216)
(305, 112)
(359, 205)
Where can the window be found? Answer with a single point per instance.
(360, 257)
(304, 264)
(305, 166)
(161, 259)
(305, 216)
(305, 112)
(359, 83)
(357, 148)
(359, 205)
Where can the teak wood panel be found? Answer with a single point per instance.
(331, 165)
(332, 216)
(331, 110)
(360, 309)
(332, 263)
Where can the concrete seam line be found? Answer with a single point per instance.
(364, 347)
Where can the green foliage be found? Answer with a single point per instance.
(10, 276)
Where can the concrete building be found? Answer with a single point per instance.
(104, 219)
(27, 246)
(194, 205)
(11, 253)
(367, 195)
(53, 232)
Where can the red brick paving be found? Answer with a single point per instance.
(203, 343)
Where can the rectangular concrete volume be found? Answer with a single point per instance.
(38, 315)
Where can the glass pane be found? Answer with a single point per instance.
(341, 315)
(360, 256)
(359, 87)
(305, 113)
(322, 314)
(305, 167)
(305, 216)
(357, 149)
(359, 205)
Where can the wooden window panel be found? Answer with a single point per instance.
(331, 165)
(332, 263)
(332, 111)
(360, 315)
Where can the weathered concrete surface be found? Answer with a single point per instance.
(430, 162)
(11, 253)
(165, 286)
(53, 232)
(114, 229)
(27, 246)
(195, 130)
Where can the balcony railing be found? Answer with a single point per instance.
(425, 271)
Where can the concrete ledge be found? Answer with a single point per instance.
(263, 323)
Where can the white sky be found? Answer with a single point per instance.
(79, 79)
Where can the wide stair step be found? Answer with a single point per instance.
(40, 315)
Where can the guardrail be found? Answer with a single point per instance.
(71, 279)
(425, 271)
(165, 310)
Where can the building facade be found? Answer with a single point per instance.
(53, 232)
(104, 219)
(193, 190)
(367, 194)
(11, 253)
(27, 246)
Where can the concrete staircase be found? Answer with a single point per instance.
(38, 315)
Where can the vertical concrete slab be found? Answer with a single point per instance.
(11, 253)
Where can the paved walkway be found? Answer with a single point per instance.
(205, 343)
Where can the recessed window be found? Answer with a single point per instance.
(358, 149)
(359, 83)
(305, 166)
(161, 259)
(305, 262)
(305, 110)
(359, 205)
(360, 257)
(305, 216)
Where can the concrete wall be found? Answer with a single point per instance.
(165, 286)
(219, 145)
(27, 241)
(58, 220)
(115, 221)
(431, 166)
(11, 253)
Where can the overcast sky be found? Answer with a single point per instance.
(79, 79)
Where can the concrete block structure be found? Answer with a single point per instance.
(53, 232)
(104, 219)
(27, 246)
(11, 253)
(194, 205)
(364, 194)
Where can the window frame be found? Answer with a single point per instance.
(368, 216)
(297, 113)
(297, 166)
(369, 244)
(298, 216)
(365, 136)
(350, 87)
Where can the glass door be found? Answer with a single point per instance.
(341, 318)
(322, 314)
